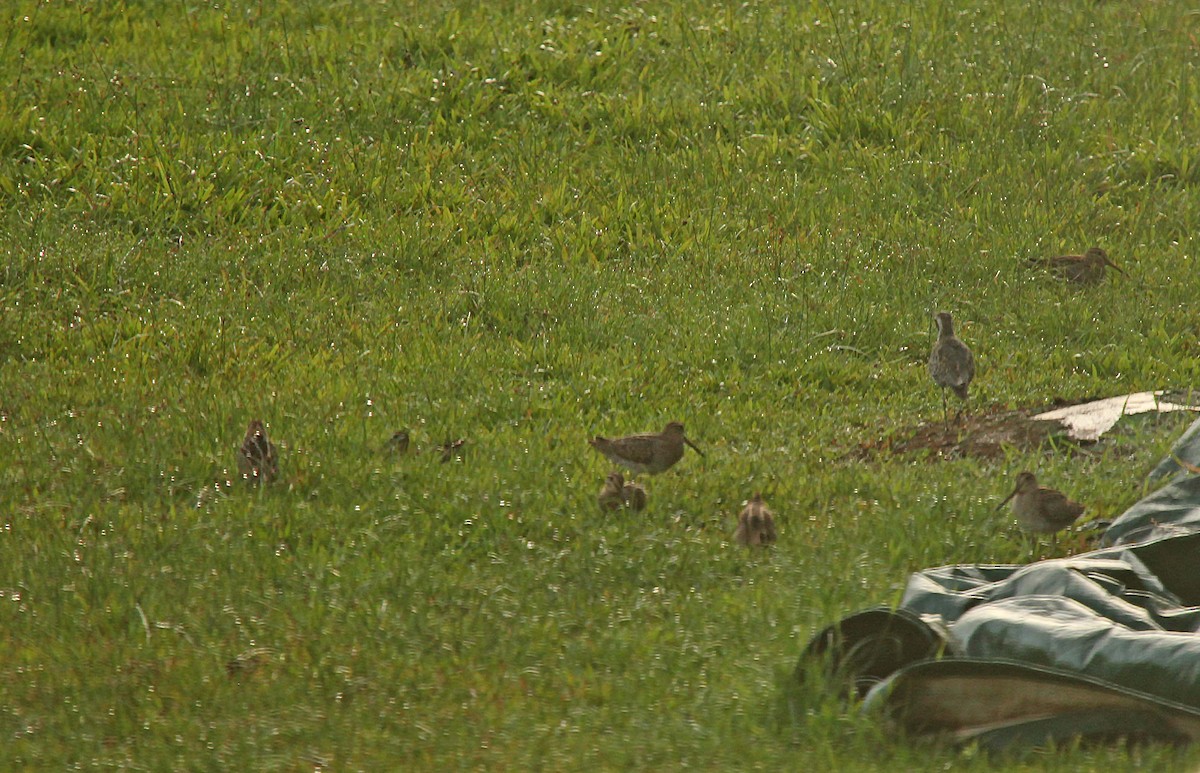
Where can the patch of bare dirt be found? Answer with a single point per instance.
(983, 434)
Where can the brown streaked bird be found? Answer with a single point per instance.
(651, 452)
(249, 661)
(451, 449)
(951, 363)
(612, 493)
(399, 442)
(257, 459)
(756, 524)
(634, 496)
(1085, 269)
(1039, 509)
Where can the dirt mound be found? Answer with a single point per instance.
(985, 432)
(982, 434)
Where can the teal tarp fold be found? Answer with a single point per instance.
(1103, 644)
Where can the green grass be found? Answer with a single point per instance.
(526, 223)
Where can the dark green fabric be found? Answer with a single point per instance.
(1125, 616)
(1093, 725)
(1000, 705)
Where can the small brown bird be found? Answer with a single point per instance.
(399, 442)
(451, 449)
(951, 363)
(1086, 269)
(249, 661)
(650, 452)
(1039, 509)
(634, 496)
(612, 493)
(756, 524)
(257, 459)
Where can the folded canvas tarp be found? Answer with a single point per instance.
(1100, 645)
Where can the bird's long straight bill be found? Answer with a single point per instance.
(1005, 502)
(693, 445)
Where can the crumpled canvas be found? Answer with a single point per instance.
(1100, 645)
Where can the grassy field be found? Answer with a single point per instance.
(525, 224)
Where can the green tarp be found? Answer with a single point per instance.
(1100, 645)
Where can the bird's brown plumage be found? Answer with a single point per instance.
(634, 496)
(257, 458)
(651, 452)
(756, 523)
(1086, 269)
(1039, 509)
(612, 493)
(951, 364)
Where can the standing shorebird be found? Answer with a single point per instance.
(612, 493)
(950, 363)
(1086, 269)
(634, 496)
(756, 524)
(1039, 509)
(257, 459)
(652, 452)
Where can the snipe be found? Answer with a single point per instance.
(257, 458)
(951, 363)
(612, 493)
(1039, 509)
(756, 523)
(1085, 269)
(651, 452)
